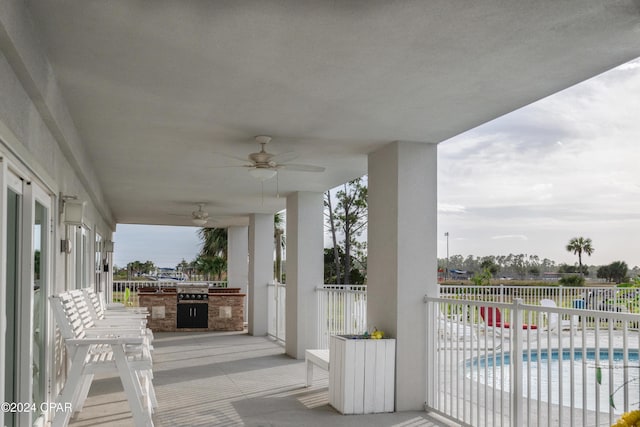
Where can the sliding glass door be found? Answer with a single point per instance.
(27, 275)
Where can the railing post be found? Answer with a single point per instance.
(277, 308)
(517, 416)
(430, 354)
(348, 318)
(501, 292)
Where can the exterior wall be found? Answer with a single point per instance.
(39, 144)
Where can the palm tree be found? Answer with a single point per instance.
(578, 245)
(278, 232)
(214, 242)
(211, 267)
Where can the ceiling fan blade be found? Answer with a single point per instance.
(231, 156)
(234, 166)
(301, 168)
(287, 156)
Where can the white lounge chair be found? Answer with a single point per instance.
(554, 322)
(454, 327)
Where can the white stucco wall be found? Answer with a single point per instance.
(38, 141)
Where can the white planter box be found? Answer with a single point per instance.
(362, 375)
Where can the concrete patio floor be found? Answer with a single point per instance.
(231, 379)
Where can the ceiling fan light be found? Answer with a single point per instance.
(262, 174)
(200, 222)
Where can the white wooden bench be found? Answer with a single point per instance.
(319, 358)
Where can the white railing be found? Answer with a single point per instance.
(577, 367)
(342, 309)
(603, 298)
(276, 300)
(119, 287)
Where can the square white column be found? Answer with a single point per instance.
(238, 261)
(402, 257)
(237, 257)
(305, 270)
(260, 270)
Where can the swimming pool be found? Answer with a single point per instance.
(540, 370)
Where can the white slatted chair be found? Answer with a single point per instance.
(96, 304)
(94, 326)
(122, 351)
(84, 304)
(101, 315)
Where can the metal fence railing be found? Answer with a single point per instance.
(342, 309)
(119, 288)
(535, 366)
(276, 303)
(602, 298)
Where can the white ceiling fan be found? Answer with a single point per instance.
(264, 165)
(200, 217)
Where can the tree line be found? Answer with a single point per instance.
(523, 266)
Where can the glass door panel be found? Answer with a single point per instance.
(11, 302)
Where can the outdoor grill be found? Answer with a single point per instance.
(192, 293)
(192, 306)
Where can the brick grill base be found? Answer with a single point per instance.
(216, 323)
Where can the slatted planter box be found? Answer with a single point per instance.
(362, 374)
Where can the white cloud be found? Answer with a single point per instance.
(448, 208)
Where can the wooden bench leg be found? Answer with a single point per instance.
(132, 389)
(309, 372)
(86, 381)
(71, 390)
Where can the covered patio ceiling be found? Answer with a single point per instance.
(163, 92)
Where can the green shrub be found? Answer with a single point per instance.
(572, 281)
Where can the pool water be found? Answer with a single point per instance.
(539, 370)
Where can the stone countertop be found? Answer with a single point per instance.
(172, 291)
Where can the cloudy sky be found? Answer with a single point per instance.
(566, 166)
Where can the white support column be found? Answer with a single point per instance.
(305, 270)
(238, 261)
(402, 257)
(237, 254)
(260, 270)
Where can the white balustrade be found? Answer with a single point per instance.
(276, 303)
(548, 366)
(342, 309)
